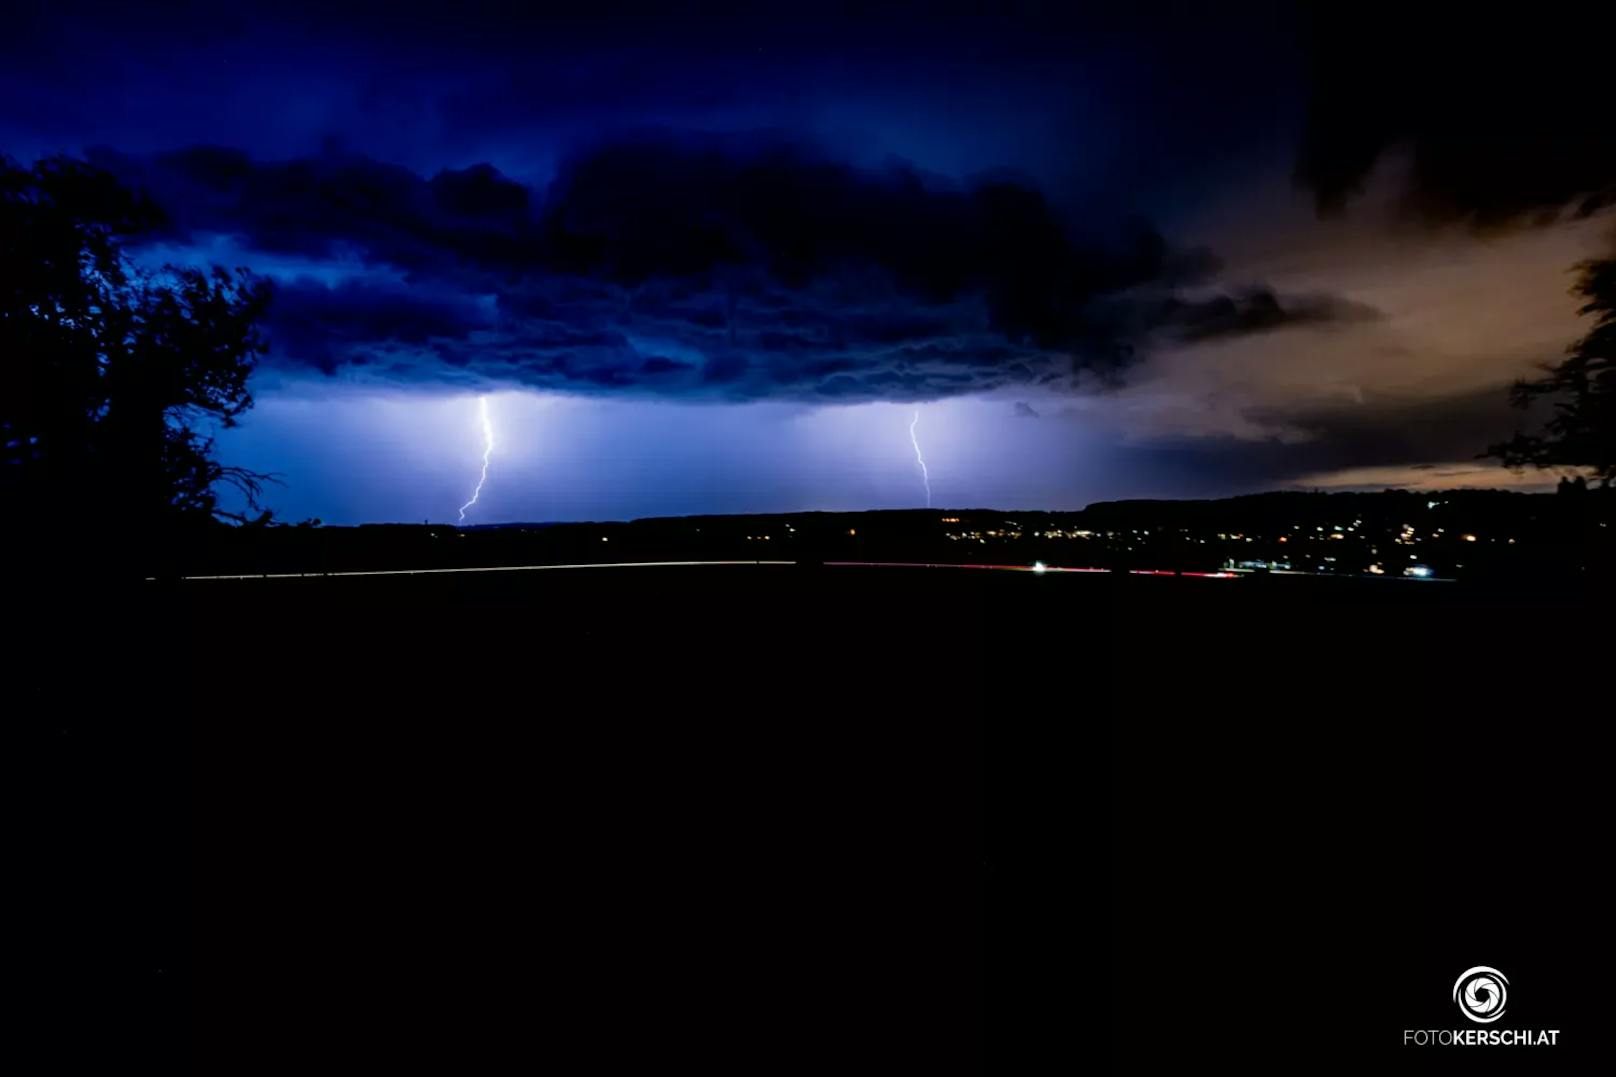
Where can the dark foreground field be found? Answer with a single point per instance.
(777, 819)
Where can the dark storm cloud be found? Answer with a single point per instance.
(734, 266)
(1257, 311)
(1030, 84)
(337, 203)
(1381, 432)
(326, 326)
(1387, 430)
(1505, 117)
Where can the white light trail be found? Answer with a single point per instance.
(490, 568)
(925, 476)
(488, 448)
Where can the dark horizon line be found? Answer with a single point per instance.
(1456, 491)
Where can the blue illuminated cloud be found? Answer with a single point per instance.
(731, 267)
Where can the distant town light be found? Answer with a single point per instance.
(1039, 567)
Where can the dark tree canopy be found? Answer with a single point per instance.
(111, 376)
(1582, 389)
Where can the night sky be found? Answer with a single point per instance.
(715, 259)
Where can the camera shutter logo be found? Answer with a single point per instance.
(1480, 993)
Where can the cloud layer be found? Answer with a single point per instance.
(1504, 119)
(734, 267)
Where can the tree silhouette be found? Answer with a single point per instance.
(1582, 388)
(111, 375)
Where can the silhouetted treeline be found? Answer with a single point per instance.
(111, 377)
(1580, 430)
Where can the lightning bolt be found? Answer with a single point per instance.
(925, 476)
(488, 448)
